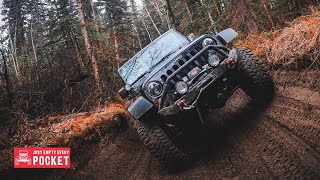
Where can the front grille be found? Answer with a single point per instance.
(186, 56)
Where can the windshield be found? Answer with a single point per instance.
(151, 55)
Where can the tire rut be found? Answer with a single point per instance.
(303, 124)
(281, 141)
(283, 155)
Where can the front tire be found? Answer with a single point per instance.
(255, 78)
(160, 144)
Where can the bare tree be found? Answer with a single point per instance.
(134, 15)
(146, 28)
(32, 43)
(154, 25)
(88, 45)
(13, 54)
(96, 21)
(156, 6)
(7, 80)
(217, 5)
(190, 14)
(116, 46)
(213, 23)
(171, 15)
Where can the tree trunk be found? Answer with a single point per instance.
(156, 6)
(116, 46)
(13, 54)
(96, 24)
(34, 52)
(268, 11)
(32, 43)
(243, 16)
(190, 14)
(77, 51)
(161, 14)
(251, 23)
(134, 11)
(154, 25)
(218, 7)
(139, 41)
(213, 23)
(7, 80)
(145, 26)
(88, 46)
(171, 15)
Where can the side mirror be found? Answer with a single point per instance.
(123, 93)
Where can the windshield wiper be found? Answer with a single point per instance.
(154, 65)
(165, 57)
(134, 64)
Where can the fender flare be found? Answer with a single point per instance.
(140, 107)
(227, 36)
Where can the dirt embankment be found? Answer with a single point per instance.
(294, 47)
(282, 140)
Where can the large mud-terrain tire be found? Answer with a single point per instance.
(160, 144)
(255, 78)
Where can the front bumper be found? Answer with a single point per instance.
(189, 100)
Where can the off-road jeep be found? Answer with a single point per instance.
(175, 75)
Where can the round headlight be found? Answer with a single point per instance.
(181, 87)
(207, 41)
(154, 88)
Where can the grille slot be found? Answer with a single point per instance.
(164, 78)
(198, 62)
(175, 67)
(192, 53)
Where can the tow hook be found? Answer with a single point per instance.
(182, 104)
(231, 63)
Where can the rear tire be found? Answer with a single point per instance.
(255, 78)
(160, 144)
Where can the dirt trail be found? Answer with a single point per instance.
(246, 142)
(281, 140)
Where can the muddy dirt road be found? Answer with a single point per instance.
(282, 140)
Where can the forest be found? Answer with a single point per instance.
(61, 57)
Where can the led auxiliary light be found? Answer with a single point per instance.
(181, 87)
(213, 59)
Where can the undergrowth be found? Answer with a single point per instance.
(296, 46)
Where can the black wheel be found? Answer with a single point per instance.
(255, 78)
(159, 142)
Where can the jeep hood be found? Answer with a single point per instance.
(151, 55)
